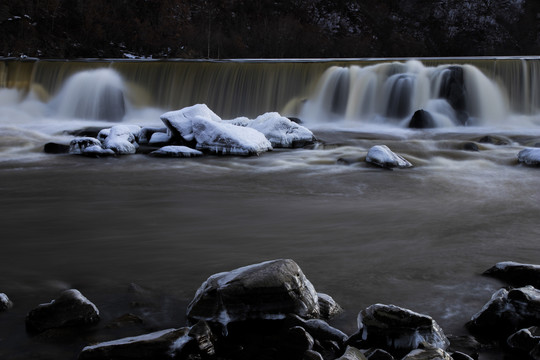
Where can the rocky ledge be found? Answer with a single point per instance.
(272, 311)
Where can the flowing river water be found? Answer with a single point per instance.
(418, 238)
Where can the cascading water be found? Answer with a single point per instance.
(93, 94)
(390, 93)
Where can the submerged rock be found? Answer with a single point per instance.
(88, 146)
(176, 151)
(530, 156)
(396, 329)
(269, 290)
(507, 312)
(71, 309)
(198, 126)
(55, 148)
(516, 274)
(422, 119)
(282, 132)
(162, 344)
(5, 303)
(382, 156)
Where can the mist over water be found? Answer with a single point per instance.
(417, 238)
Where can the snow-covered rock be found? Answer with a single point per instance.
(382, 156)
(5, 303)
(176, 151)
(121, 139)
(281, 131)
(198, 125)
(88, 146)
(516, 274)
(529, 156)
(393, 328)
(269, 290)
(71, 309)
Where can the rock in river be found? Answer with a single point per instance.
(71, 309)
(516, 274)
(530, 156)
(382, 156)
(269, 290)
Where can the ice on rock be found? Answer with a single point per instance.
(88, 146)
(530, 156)
(121, 140)
(281, 131)
(176, 151)
(200, 125)
(382, 156)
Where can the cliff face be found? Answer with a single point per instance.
(290, 28)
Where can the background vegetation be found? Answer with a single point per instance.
(268, 28)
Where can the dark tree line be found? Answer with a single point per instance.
(268, 28)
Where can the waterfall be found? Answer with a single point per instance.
(476, 91)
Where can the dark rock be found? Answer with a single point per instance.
(464, 344)
(158, 345)
(55, 148)
(328, 307)
(428, 354)
(5, 303)
(382, 156)
(125, 320)
(205, 339)
(319, 329)
(295, 120)
(71, 309)
(90, 131)
(470, 146)
(516, 274)
(268, 290)
(397, 330)
(454, 91)
(378, 354)
(352, 353)
(461, 356)
(525, 340)
(422, 119)
(507, 312)
(296, 342)
(529, 156)
(312, 355)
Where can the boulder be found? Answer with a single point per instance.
(146, 133)
(176, 152)
(121, 139)
(71, 309)
(55, 148)
(197, 126)
(269, 290)
(5, 303)
(88, 146)
(422, 119)
(296, 342)
(529, 156)
(158, 345)
(397, 330)
(516, 274)
(507, 312)
(328, 306)
(282, 132)
(378, 354)
(319, 329)
(428, 354)
(312, 355)
(526, 342)
(352, 353)
(382, 156)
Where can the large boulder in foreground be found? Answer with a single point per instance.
(382, 156)
(397, 330)
(507, 312)
(269, 290)
(530, 156)
(198, 126)
(71, 309)
(516, 274)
